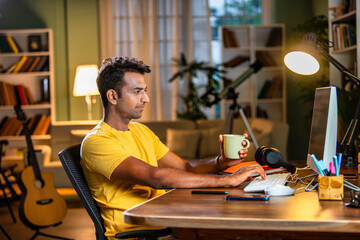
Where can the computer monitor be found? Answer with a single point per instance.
(323, 134)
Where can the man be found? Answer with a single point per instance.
(125, 163)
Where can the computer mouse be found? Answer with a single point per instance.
(279, 190)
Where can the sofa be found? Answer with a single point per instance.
(190, 140)
(200, 139)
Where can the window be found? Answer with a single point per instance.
(231, 12)
(158, 31)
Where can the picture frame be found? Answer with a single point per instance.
(34, 43)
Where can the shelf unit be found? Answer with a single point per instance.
(32, 80)
(265, 43)
(346, 55)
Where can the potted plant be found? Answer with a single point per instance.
(307, 85)
(189, 71)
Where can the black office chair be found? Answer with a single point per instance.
(70, 159)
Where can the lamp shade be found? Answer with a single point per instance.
(303, 59)
(301, 62)
(85, 80)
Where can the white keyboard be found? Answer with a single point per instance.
(258, 184)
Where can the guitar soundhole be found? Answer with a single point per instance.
(44, 201)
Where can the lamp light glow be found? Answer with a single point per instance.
(85, 84)
(301, 63)
(300, 60)
(85, 80)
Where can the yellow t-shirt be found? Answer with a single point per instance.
(103, 149)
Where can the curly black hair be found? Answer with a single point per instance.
(111, 74)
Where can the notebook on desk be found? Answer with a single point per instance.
(267, 169)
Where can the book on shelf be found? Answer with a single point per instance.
(274, 38)
(6, 46)
(265, 59)
(26, 65)
(349, 6)
(16, 124)
(39, 125)
(43, 125)
(12, 44)
(2, 47)
(43, 61)
(34, 123)
(21, 92)
(10, 89)
(28, 95)
(235, 61)
(230, 39)
(29, 64)
(273, 88)
(2, 122)
(6, 98)
(2, 93)
(343, 35)
(7, 128)
(33, 64)
(29, 123)
(20, 64)
(19, 130)
(264, 89)
(15, 94)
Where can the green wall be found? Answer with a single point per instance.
(292, 13)
(76, 41)
(83, 48)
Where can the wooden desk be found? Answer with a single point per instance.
(301, 216)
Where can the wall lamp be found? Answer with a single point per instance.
(85, 84)
(304, 60)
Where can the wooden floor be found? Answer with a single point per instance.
(76, 225)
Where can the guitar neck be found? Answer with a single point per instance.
(31, 152)
(32, 156)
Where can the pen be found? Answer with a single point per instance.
(335, 163)
(332, 169)
(208, 192)
(317, 165)
(339, 159)
(323, 167)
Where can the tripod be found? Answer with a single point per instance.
(234, 110)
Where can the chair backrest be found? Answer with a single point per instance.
(70, 159)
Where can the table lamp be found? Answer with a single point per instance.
(85, 84)
(304, 60)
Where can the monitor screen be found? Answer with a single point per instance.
(323, 134)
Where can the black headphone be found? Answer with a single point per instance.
(273, 158)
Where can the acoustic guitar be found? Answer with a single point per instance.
(41, 205)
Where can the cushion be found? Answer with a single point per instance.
(183, 142)
(209, 142)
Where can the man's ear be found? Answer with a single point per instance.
(112, 96)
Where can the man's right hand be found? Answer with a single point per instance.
(245, 172)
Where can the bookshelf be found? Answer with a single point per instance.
(27, 76)
(342, 26)
(263, 94)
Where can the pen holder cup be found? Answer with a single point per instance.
(331, 187)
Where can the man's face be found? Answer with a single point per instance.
(133, 96)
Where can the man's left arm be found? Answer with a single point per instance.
(213, 165)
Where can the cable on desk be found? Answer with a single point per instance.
(350, 185)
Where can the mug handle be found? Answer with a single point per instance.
(247, 143)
